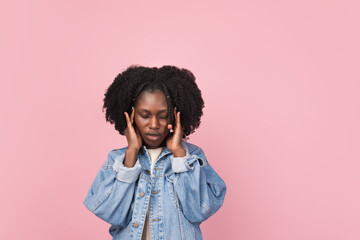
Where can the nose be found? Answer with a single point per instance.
(154, 123)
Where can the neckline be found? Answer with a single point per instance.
(152, 149)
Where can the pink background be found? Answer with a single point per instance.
(280, 80)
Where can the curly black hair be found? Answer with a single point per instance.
(177, 84)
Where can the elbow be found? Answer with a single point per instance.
(197, 217)
(116, 217)
(203, 212)
(210, 207)
(220, 198)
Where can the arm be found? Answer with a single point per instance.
(111, 194)
(199, 188)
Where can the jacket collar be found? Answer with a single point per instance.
(144, 156)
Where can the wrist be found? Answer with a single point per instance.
(130, 157)
(180, 152)
(132, 150)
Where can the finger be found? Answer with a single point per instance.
(132, 115)
(178, 122)
(137, 131)
(138, 134)
(177, 130)
(127, 118)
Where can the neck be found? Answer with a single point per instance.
(163, 144)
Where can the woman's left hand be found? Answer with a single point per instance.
(173, 143)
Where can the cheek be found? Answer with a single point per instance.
(139, 121)
(164, 124)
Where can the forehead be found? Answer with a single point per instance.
(152, 100)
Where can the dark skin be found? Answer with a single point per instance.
(151, 116)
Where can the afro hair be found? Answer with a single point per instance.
(176, 83)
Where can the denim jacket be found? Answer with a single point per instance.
(183, 192)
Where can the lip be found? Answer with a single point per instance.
(153, 137)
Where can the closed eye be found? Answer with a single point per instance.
(147, 116)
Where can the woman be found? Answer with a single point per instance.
(159, 186)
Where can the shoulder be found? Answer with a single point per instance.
(195, 150)
(190, 146)
(114, 153)
(114, 156)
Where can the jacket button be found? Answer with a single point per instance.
(136, 224)
(141, 194)
(147, 171)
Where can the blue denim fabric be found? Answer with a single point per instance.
(184, 192)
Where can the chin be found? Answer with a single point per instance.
(160, 143)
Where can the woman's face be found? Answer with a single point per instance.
(151, 118)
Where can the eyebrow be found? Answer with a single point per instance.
(161, 111)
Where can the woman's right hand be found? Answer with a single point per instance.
(133, 136)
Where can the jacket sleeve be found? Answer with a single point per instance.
(199, 188)
(111, 194)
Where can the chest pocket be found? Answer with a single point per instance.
(188, 230)
(170, 187)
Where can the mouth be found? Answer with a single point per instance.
(152, 137)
